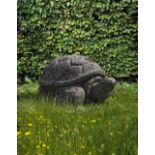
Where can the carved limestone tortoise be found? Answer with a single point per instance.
(75, 78)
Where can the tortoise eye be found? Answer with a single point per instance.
(98, 79)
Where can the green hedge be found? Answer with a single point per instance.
(105, 30)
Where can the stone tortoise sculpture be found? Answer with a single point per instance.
(75, 79)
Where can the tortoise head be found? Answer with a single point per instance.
(102, 89)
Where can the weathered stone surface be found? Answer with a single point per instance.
(74, 78)
(71, 94)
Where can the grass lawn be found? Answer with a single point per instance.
(48, 128)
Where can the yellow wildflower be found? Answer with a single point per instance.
(74, 153)
(93, 121)
(19, 133)
(89, 153)
(44, 145)
(27, 133)
(29, 125)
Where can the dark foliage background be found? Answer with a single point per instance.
(105, 30)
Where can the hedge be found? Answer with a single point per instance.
(104, 30)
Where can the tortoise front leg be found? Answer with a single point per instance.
(71, 94)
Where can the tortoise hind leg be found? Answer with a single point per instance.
(71, 94)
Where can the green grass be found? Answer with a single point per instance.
(48, 128)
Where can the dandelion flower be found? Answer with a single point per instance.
(29, 125)
(43, 145)
(27, 133)
(19, 133)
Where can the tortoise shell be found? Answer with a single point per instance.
(69, 70)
